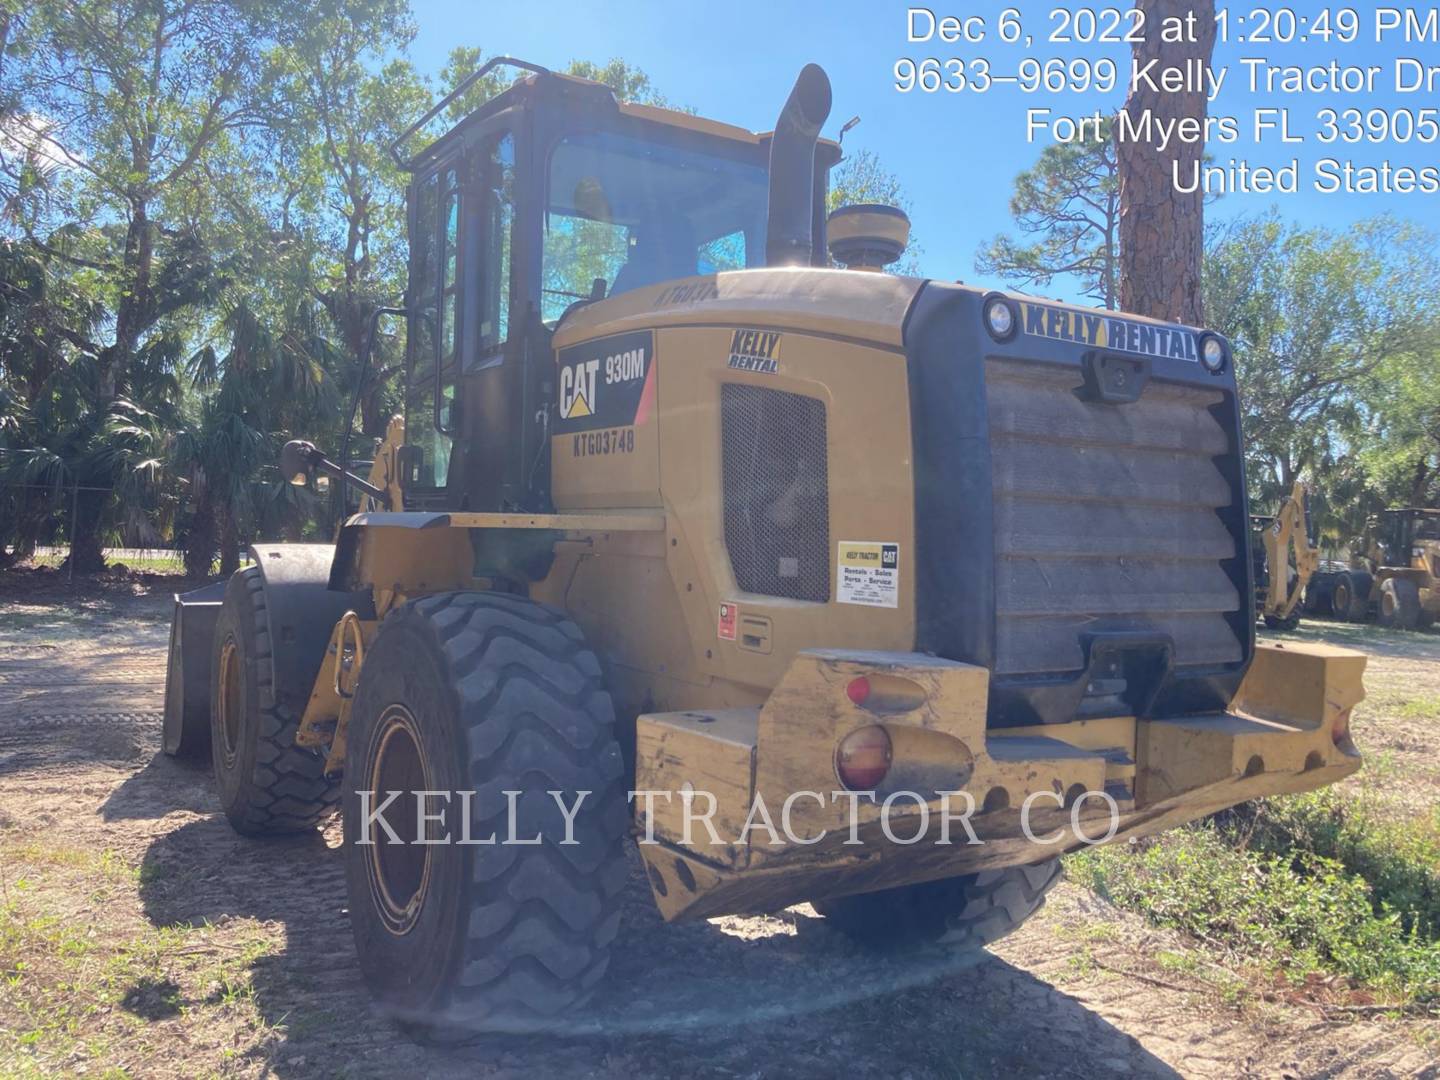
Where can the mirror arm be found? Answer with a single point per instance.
(300, 459)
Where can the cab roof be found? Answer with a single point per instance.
(572, 91)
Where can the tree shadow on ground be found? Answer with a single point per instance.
(790, 998)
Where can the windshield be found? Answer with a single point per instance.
(630, 212)
(1427, 527)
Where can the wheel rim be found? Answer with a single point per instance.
(230, 705)
(1342, 600)
(399, 874)
(1387, 604)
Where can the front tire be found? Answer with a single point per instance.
(960, 913)
(266, 783)
(1399, 604)
(483, 693)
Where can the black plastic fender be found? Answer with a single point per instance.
(186, 732)
(302, 610)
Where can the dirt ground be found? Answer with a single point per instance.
(141, 937)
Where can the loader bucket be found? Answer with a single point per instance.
(187, 675)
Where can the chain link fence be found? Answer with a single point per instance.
(45, 513)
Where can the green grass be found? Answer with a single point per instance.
(1399, 860)
(78, 995)
(1296, 886)
(160, 564)
(1422, 707)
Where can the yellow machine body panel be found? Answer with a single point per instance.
(695, 636)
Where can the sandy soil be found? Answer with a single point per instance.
(143, 937)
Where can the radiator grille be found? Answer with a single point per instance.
(777, 503)
(1105, 519)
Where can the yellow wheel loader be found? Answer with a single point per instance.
(1393, 577)
(821, 584)
(1285, 561)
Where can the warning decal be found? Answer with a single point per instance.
(726, 626)
(868, 572)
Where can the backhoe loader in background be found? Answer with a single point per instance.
(675, 506)
(1393, 576)
(1285, 561)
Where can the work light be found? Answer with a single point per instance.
(1000, 318)
(1213, 353)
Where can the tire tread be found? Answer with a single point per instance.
(287, 790)
(538, 717)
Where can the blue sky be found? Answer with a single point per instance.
(956, 154)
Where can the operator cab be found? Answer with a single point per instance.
(1402, 529)
(551, 195)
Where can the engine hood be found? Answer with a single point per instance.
(855, 304)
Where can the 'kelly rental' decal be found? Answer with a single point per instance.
(1108, 332)
(755, 350)
(606, 383)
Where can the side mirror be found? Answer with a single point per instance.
(297, 459)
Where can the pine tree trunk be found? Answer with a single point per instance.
(1162, 231)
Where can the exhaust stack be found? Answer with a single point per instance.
(789, 239)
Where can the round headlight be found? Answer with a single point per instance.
(1212, 353)
(1000, 318)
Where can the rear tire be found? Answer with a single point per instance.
(1399, 604)
(961, 913)
(489, 693)
(267, 784)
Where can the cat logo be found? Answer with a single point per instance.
(577, 389)
(605, 384)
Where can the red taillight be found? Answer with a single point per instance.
(859, 690)
(863, 757)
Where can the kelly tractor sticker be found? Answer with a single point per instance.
(868, 572)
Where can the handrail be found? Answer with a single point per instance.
(465, 84)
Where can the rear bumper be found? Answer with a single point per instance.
(1032, 793)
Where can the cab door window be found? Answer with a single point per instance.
(426, 253)
(449, 296)
(460, 242)
(491, 228)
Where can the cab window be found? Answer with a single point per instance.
(461, 222)
(632, 212)
(425, 334)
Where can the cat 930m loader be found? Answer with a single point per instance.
(781, 568)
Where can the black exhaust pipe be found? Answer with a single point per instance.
(789, 224)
